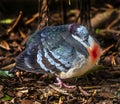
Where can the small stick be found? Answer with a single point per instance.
(92, 97)
(105, 50)
(8, 66)
(83, 91)
(60, 90)
(16, 22)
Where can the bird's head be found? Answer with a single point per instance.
(91, 46)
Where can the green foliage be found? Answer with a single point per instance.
(117, 94)
(5, 98)
(5, 73)
(97, 31)
(6, 21)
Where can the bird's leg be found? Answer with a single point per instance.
(62, 84)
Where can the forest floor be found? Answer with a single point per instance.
(99, 87)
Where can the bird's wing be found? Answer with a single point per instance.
(76, 44)
(56, 50)
(27, 60)
(46, 52)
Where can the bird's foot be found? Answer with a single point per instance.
(62, 84)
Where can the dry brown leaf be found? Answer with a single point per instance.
(4, 45)
(25, 101)
(23, 35)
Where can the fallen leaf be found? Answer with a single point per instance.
(26, 102)
(23, 35)
(1, 87)
(4, 45)
(1, 94)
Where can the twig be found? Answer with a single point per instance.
(110, 30)
(83, 91)
(91, 87)
(60, 90)
(92, 97)
(101, 18)
(16, 22)
(44, 15)
(118, 43)
(32, 19)
(105, 50)
(98, 87)
(113, 62)
(8, 66)
(113, 22)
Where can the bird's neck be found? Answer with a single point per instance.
(95, 53)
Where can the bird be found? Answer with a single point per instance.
(65, 50)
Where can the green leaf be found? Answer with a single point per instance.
(117, 94)
(5, 73)
(5, 98)
(97, 31)
(6, 21)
